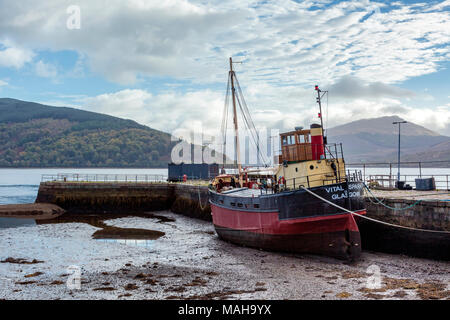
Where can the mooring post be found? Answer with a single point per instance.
(390, 174)
(420, 169)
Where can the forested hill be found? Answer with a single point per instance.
(35, 135)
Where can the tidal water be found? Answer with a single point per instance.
(19, 186)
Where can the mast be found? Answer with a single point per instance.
(319, 101)
(320, 105)
(235, 120)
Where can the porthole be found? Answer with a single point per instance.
(311, 167)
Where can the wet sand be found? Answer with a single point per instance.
(188, 261)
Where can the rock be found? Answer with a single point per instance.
(37, 211)
(33, 275)
(131, 286)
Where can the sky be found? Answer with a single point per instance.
(165, 63)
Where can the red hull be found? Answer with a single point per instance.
(331, 235)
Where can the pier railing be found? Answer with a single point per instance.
(79, 177)
(389, 181)
(385, 173)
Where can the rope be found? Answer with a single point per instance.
(371, 219)
(200, 200)
(378, 201)
(375, 202)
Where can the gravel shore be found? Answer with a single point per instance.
(190, 262)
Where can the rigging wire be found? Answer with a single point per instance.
(243, 115)
(250, 124)
(250, 127)
(326, 118)
(247, 119)
(225, 120)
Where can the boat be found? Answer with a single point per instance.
(308, 208)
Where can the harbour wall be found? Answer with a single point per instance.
(98, 197)
(430, 215)
(424, 237)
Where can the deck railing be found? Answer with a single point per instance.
(319, 180)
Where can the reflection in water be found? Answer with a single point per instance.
(15, 223)
(130, 242)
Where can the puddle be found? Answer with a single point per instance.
(130, 242)
(162, 219)
(16, 222)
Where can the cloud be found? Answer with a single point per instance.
(3, 83)
(14, 57)
(352, 87)
(46, 70)
(201, 110)
(170, 112)
(439, 6)
(279, 41)
(286, 48)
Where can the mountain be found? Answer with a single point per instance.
(36, 135)
(438, 152)
(376, 140)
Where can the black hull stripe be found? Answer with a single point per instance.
(345, 245)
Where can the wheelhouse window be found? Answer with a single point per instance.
(301, 138)
(291, 139)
